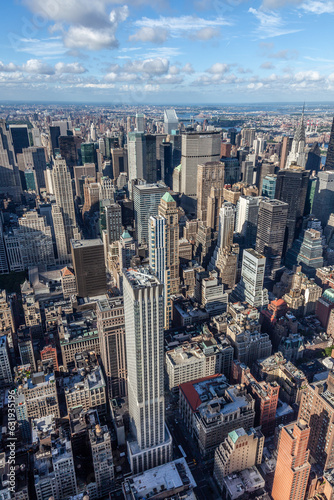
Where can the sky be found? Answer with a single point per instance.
(167, 52)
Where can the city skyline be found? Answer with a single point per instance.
(208, 52)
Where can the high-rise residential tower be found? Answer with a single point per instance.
(292, 467)
(144, 322)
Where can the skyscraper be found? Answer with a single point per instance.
(113, 215)
(146, 199)
(166, 163)
(246, 218)
(54, 134)
(20, 137)
(197, 148)
(323, 202)
(9, 173)
(316, 408)
(286, 148)
(297, 153)
(210, 185)
(292, 467)
(250, 287)
(110, 325)
(270, 232)
(171, 121)
(151, 173)
(34, 158)
(136, 156)
(88, 153)
(169, 211)
(140, 122)
(62, 185)
(88, 263)
(100, 443)
(144, 322)
(291, 187)
(329, 165)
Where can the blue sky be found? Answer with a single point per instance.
(165, 52)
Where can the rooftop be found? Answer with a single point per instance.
(141, 277)
(86, 243)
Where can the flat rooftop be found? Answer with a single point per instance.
(86, 243)
(166, 477)
(141, 277)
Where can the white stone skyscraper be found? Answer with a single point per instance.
(171, 121)
(62, 185)
(151, 443)
(250, 287)
(136, 155)
(225, 231)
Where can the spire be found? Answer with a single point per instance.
(300, 130)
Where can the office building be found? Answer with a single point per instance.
(50, 352)
(291, 187)
(85, 388)
(6, 377)
(3, 257)
(211, 409)
(286, 148)
(152, 172)
(329, 165)
(62, 185)
(63, 257)
(271, 231)
(171, 121)
(143, 299)
(323, 202)
(113, 215)
(166, 163)
(103, 465)
(41, 395)
(54, 134)
(54, 471)
(35, 238)
(126, 250)
(68, 149)
(110, 325)
(146, 200)
(89, 269)
(6, 312)
(140, 122)
(9, 175)
(197, 148)
(307, 252)
(240, 450)
(247, 213)
(248, 136)
(35, 160)
(88, 153)
(297, 154)
(136, 156)
(20, 137)
(292, 466)
(68, 282)
(210, 185)
(169, 211)
(316, 409)
(250, 287)
(201, 357)
(269, 186)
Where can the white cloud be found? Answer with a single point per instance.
(187, 68)
(8, 68)
(157, 66)
(205, 34)
(82, 37)
(219, 68)
(96, 85)
(308, 75)
(318, 7)
(284, 54)
(150, 34)
(255, 86)
(37, 66)
(271, 24)
(183, 25)
(74, 68)
(151, 88)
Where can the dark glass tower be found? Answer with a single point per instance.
(330, 153)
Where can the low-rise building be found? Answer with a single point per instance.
(240, 450)
(211, 409)
(40, 392)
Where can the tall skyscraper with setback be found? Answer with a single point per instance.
(151, 443)
(329, 165)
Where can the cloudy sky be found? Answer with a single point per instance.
(165, 52)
